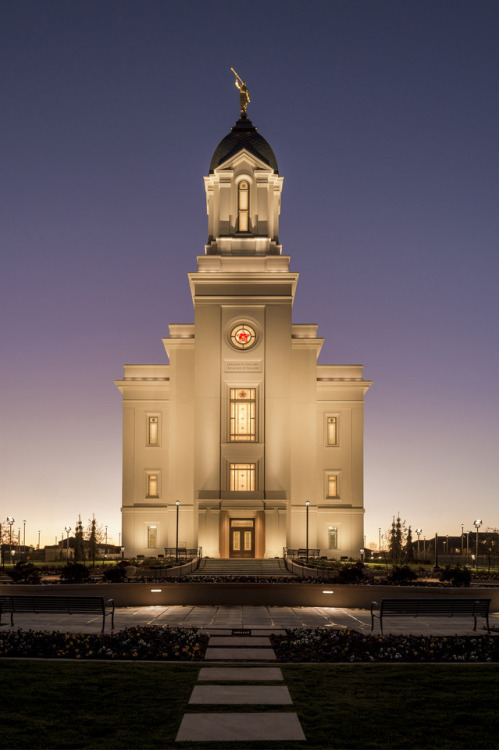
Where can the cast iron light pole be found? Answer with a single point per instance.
(379, 540)
(477, 525)
(418, 532)
(177, 503)
(67, 529)
(306, 506)
(24, 537)
(462, 539)
(10, 521)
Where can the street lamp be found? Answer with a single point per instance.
(379, 539)
(362, 555)
(418, 532)
(462, 539)
(24, 537)
(67, 529)
(11, 521)
(307, 504)
(39, 532)
(477, 525)
(177, 503)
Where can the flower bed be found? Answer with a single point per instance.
(320, 645)
(138, 643)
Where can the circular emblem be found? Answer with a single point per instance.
(243, 336)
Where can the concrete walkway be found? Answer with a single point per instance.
(261, 620)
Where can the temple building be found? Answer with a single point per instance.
(243, 445)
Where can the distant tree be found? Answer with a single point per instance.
(92, 540)
(409, 547)
(396, 543)
(79, 542)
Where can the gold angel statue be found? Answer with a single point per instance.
(244, 97)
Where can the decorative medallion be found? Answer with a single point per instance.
(243, 336)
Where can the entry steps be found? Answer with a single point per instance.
(242, 567)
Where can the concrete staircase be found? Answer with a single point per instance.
(241, 568)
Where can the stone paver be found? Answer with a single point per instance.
(243, 674)
(237, 727)
(271, 695)
(239, 640)
(240, 654)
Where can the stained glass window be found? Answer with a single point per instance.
(242, 415)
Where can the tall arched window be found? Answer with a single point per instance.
(243, 206)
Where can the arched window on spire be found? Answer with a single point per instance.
(243, 206)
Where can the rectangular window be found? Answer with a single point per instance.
(332, 485)
(152, 536)
(332, 536)
(242, 477)
(332, 430)
(242, 415)
(152, 431)
(243, 206)
(152, 485)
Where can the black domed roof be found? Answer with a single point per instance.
(243, 135)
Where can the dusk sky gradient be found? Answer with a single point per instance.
(384, 118)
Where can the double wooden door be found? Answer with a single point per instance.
(242, 537)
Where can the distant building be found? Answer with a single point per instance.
(242, 427)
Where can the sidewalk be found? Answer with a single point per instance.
(261, 620)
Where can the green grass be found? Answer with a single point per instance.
(96, 705)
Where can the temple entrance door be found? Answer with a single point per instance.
(242, 537)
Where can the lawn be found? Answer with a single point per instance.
(107, 705)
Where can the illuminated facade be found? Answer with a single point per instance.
(242, 427)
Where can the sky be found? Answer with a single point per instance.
(383, 115)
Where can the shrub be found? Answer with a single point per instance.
(351, 574)
(115, 574)
(75, 573)
(24, 572)
(402, 574)
(457, 576)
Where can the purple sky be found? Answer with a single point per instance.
(384, 118)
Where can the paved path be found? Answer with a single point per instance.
(261, 620)
(220, 688)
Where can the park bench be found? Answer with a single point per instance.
(430, 608)
(71, 605)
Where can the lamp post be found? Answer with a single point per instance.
(105, 553)
(362, 555)
(379, 539)
(11, 521)
(39, 532)
(177, 503)
(307, 506)
(418, 532)
(462, 539)
(24, 537)
(477, 525)
(67, 529)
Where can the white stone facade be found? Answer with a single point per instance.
(243, 426)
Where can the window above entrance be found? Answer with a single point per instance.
(242, 415)
(242, 477)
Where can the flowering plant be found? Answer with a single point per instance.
(325, 645)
